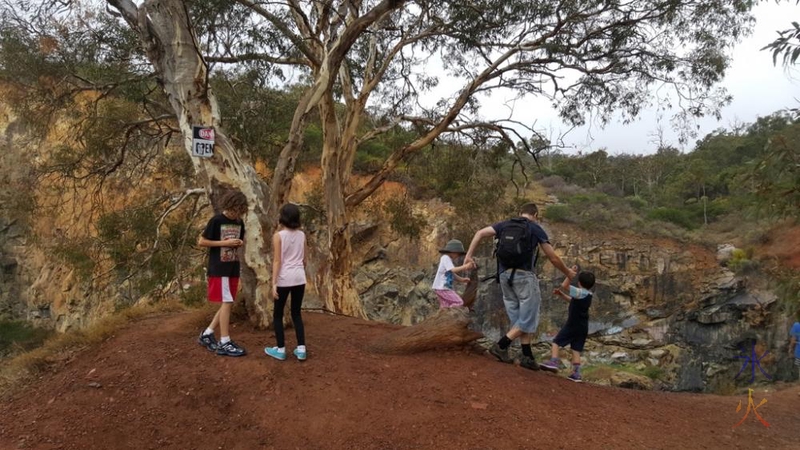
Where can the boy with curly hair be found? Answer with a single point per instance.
(223, 236)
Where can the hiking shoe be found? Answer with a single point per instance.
(273, 351)
(301, 356)
(575, 376)
(500, 354)
(230, 349)
(208, 341)
(528, 363)
(550, 366)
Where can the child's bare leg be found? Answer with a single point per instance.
(225, 319)
(215, 320)
(554, 352)
(576, 358)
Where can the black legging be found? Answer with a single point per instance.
(277, 315)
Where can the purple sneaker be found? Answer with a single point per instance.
(550, 366)
(575, 376)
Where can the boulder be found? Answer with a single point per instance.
(619, 356)
(724, 253)
(630, 381)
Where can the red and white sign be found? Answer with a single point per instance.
(202, 142)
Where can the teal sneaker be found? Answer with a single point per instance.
(301, 356)
(273, 351)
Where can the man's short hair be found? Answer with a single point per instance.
(529, 208)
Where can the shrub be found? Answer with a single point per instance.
(402, 218)
(20, 335)
(194, 296)
(654, 372)
(553, 181)
(741, 261)
(636, 202)
(672, 215)
(558, 213)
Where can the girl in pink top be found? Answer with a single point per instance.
(288, 279)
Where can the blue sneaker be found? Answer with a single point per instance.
(575, 376)
(301, 356)
(208, 341)
(273, 351)
(550, 366)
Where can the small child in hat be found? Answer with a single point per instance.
(446, 274)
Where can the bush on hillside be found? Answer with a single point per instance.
(558, 213)
(672, 215)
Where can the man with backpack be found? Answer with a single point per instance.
(518, 243)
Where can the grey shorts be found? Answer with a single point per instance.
(522, 300)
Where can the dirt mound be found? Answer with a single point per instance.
(152, 387)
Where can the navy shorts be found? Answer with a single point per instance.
(575, 337)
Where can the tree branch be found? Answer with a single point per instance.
(245, 57)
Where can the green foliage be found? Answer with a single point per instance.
(402, 218)
(777, 174)
(677, 216)
(558, 213)
(636, 202)
(654, 372)
(16, 336)
(751, 170)
(195, 296)
(80, 254)
(741, 260)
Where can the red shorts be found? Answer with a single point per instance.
(222, 289)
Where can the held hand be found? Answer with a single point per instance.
(572, 274)
(466, 280)
(556, 292)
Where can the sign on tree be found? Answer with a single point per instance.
(202, 142)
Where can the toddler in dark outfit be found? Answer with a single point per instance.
(574, 332)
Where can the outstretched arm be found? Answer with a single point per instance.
(559, 293)
(562, 291)
(551, 255)
(482, 233)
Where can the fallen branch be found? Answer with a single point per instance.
(449, 327)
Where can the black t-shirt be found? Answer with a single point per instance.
(223, 261)
(579, 304)
(538, 236)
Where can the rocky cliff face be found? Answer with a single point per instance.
(661, 308)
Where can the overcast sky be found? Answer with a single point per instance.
(757, 86)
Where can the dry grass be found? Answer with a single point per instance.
(60, 348)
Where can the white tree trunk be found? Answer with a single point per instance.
(166, 33)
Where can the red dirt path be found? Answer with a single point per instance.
(160, 390)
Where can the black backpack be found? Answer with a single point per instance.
(515, 246)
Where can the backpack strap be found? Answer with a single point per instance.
(511, 278)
